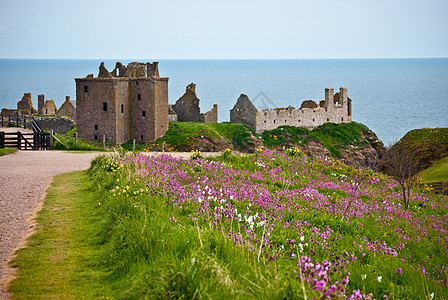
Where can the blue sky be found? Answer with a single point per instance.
(229, 29)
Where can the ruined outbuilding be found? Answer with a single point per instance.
(244, 112)
(187, 108)
(68, 108)
(49, 108)
(25, 106)
(131, 102)
(336, 108)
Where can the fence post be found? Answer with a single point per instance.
(2, 120)
(17, 121)
(104, 141)
(76, 140)
(19, 140)
(51, 139)
(133, 145)
(2, 139)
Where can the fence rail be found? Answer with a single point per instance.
(16, 121)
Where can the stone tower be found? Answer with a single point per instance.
(128, 103)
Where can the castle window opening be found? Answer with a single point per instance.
(96, 127)
(46, 111)
(313, 120)
(274, 121)
(139, 97)
(136, 83)
(285, 121)
(265, 121)
(143, 113)
(328, 119)
(122, 108)
(342, 119)
(141, 137)
(86, 89)
(96, 137)
(104, 106)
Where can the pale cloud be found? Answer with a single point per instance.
(3, 28)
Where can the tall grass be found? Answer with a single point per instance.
(158, 245)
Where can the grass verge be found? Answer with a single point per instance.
(6, 151)
(60, 260)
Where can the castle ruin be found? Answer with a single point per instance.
(186, 108)
(336, 108)
(131, 102)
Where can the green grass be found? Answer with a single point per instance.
(190, 136)
(6, 151)
(427, 145)
(333, 137)
(106, 234)
(436, 173)
(61, 257)
(69, 143)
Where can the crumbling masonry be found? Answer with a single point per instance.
(128, 103)
(187, 108)
(336, 108)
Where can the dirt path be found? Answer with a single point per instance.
(24, 178)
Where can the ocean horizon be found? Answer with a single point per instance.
(390, 96)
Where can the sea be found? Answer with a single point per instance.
(390, 96)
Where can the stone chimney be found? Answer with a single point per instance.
(40, 104)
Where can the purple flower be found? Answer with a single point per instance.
(398, 271)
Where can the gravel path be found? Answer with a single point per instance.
(24, 178)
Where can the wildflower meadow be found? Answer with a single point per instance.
(273, 224)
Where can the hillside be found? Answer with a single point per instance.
(353, 143)
(427, 150)
(205, 137)
(426, 145)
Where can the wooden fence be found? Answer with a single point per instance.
(25, 141)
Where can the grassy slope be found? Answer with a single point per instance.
(60, 257)
(436, 172)
(189, 136)
(333, 136)
(427, 145)
(82, 144)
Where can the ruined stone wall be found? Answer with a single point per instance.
(172, 116)
(269, 119)
(212, 115)
(331, 111)
(92, 120)
(9, 112)
(68, 109)
(25, 105)
(187, 106)
(59, 124)
(244, 112)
